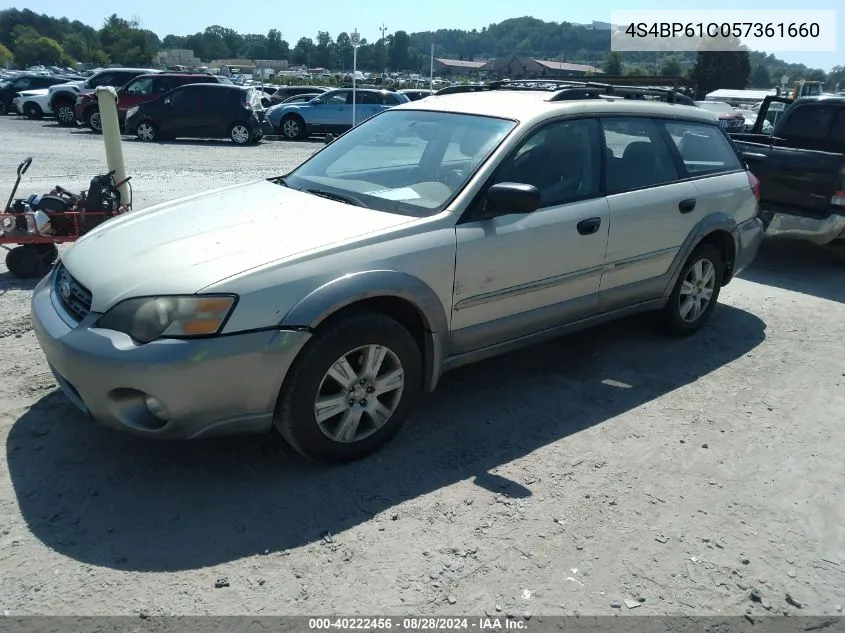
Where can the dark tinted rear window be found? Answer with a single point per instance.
(808, 122)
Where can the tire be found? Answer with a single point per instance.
(292, 127)
(33, 111)
(93, 120)
(239, 134)
(700, 279)
(25, 262)
(65, 113)
(351, 338)
(146, 131)
(48, 253)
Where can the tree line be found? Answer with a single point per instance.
(28, 38)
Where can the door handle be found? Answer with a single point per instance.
(589, 226)
(686, 206)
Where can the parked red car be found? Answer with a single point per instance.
(140, 90)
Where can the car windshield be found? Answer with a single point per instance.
(402, 161)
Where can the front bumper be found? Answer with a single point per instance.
(747, 239)
(17, 105)
(223, 385)
(817, 230)
(268, 129)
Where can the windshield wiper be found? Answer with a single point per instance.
(339, 197)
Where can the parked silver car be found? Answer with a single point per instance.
(432, 235)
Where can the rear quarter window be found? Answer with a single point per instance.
(704, 149)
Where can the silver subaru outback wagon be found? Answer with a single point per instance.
(434, 234)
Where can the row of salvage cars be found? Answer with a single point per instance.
(156, 105)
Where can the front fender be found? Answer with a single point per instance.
(324, 301)
(339, 293)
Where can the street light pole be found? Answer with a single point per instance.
(383, 30)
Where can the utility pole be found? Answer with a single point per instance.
(383, 30)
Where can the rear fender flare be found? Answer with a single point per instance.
(715, 222)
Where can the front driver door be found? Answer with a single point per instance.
(519, 274)
(333, 109)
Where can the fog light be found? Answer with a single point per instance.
(157, 408)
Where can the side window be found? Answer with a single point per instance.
(140, 87)
(121, 79)
(102, 80)
(837, 132)
(562, 160)
(164, 84)
(703, 148)
(366, 98)
(807, 123)
(388, 99)
(635, 155)
(337, 98)
(183, 99)
(24, 83)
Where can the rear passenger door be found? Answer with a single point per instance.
(179, 115)
(651, 211)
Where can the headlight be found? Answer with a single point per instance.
(131, 111)
(149, 318)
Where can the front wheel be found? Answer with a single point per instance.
(95, 123)
(146, 131)
(27, 262)
(351, 390)
(293, 127)
(240, 134)
(65, 114)
(33, 111)
(696, 292)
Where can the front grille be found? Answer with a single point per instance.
(74, 297)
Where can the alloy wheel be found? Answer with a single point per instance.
(240, 134)
(290, 128)
(95, 122)
(146, 132)
(65, 114)
(359, 393)
(697, 290)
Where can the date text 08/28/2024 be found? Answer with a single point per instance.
(416, 624)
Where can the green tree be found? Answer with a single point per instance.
(834, 77)
(6, 56)
(671, 67)
(635, 71)
(613, 64)
(38, 50)
(398, 55)
(126, 44)
(277, 48)
(716, 69)
(344, 50)
(303, 52)
(760, 77)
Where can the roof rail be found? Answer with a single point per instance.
(567, 90)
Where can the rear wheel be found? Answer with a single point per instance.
(293, 127)
(240, 134)
(33, 111)
(696, 291)
(146, 131)
(351, 390)
(65, 114)
(94, 121)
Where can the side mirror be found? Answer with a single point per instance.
(507, 198)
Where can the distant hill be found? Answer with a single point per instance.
(33, 38)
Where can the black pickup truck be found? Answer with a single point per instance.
(800, 162)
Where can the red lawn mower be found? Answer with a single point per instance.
(38, 223)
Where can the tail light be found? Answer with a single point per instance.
(755, 185)
(838, 197)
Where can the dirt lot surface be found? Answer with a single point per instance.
(606, 472)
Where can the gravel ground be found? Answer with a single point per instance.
(670, 476)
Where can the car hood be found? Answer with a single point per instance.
(183, 246)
